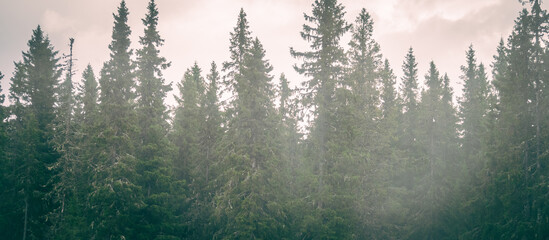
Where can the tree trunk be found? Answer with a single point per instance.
(26, 218)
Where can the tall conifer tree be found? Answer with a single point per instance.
(116, 196)
(324, 65)
(33, 94)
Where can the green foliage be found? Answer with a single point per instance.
(32, 92)
(116, 196)
(345, 156)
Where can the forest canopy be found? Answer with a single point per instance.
(351, 152)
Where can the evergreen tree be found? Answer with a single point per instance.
(324, 64)
(433, 175)
(6, 190)
(366, 63)
(116, 195)
(212, 130)
(187, 124)
(389, 95)
(247, 204)
(240, 43)
(473, 108)
(515, 161)
(361, 128)
(153, 149)
(288, 111)
(407, 131)
(409, 89)
(205, 174)
(390, 219)
(65, 141)
(32, 92)
(88, 96)
(88, 125)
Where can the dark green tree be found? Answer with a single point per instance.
(33, 97)
(324, 65)
(473, 109)
(187, 124)
(240, 43)
(6, 189)
(212, 131)
(247, 204)
(153, 150)
(116, 196)
(409, 91)
(187, 129)
(432, 173)
(66, 143)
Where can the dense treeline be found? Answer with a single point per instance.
(106, 159)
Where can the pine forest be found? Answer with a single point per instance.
(352, 151)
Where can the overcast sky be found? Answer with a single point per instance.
(198, 30)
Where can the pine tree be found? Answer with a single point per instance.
(409, 89)
(240, 43)
(66, 143)
(366, 62)
(288, 111)
(88, 96)
(89, 124)
(212, 126)
(253, 169)
(409, 121)
(473, 108)
(390, 217)
(187, 124)
(32, 92)
(324, 64)
(116, 196)
(389, 95)
(6, 191)
(433, 179)
(153, 151)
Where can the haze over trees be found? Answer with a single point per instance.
(354, 152)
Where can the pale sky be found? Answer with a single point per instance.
(198, 30)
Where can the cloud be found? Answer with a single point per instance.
(55, 22)
(445, 39)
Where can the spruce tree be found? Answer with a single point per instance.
(324, 65)
(240, 43)
(66, 143)
(433, 179)
(153, 148)
(366, 62)
(409, 121)
(88, 125)
(88, 96)
(409, 89)
(187, 124)
(33, 97)
(389, 94)
(288, 111)
(473, 108)
(390, 217)
(359, 125)
(116, 195)
(248, 200)
(212, 130)
(5, 178)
